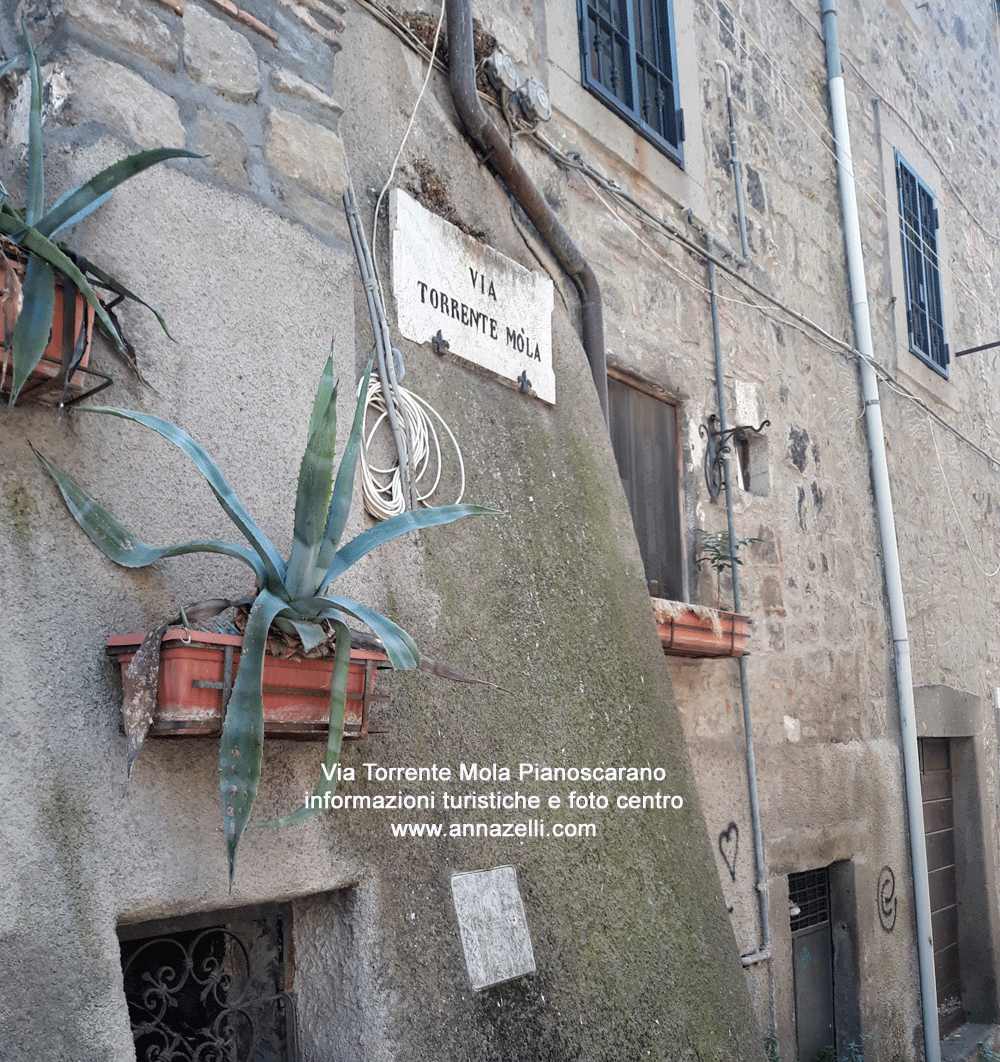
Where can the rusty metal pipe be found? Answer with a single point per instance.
(497, 152)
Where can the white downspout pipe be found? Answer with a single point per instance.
(887, 532)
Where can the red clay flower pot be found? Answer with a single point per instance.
(196, 677)
(50, 366)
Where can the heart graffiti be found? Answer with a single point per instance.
(729, 845)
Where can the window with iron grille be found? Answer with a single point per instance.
(918, 220)
(630, 62)
(809, 898)
(211, 986)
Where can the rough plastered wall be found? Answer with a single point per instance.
(247, 254)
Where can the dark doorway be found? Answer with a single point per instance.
(939, 836)
(812, 963)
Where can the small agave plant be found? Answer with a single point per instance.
(294, 595)
(29, 233)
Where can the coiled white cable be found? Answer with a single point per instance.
(382, 488)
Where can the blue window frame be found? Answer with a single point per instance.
(918, 222)
(629, 61)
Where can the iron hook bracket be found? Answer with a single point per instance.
(718, 447)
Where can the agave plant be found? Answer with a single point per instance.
(294, 595)
(28, 234)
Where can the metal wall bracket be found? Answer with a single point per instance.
(718, 448)
(351, 733)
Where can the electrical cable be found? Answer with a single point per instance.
(385, 353)
(391, 490)
(382, 488)
(794, 319)
(821, 135)
(409, 127)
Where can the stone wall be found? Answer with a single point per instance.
(246, 252)
(821, 680)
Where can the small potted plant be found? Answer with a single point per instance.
(697, 631)
(48, 302)
(293, 598)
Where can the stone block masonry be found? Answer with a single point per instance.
(182, 73)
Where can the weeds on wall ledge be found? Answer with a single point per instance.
(48, 301)
(714, 550)
(694, 630)
(292, 595)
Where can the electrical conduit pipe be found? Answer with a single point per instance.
(462, 77)
(763, 953)
(887, 532)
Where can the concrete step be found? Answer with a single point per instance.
(963, 1044)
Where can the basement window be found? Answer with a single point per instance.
(918, 220)
(629, 61)
(212, 986)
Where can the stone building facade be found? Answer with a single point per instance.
(720, 297)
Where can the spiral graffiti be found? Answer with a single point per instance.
(887, 902)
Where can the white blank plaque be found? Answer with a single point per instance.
(494, 930)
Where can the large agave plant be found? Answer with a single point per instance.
(294, 595)
(30, 231)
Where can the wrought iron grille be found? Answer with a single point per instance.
(809, 891)
(629, 60)
(918, 220)
(213, 988)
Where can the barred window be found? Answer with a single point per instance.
(918, 220)
(211, 986)
(629, 61)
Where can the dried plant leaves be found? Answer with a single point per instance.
(139, 684)
(141, 678)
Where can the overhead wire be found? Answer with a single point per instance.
(793, 318)
(865, 181)
(389, 491)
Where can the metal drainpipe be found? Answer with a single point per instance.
(462, 76)
(887, 532)
(764, 951)
(734, 153)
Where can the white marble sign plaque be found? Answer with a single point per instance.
(494, 930)
(491, 310)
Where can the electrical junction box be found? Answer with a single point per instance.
(534, 101)
(501, 71)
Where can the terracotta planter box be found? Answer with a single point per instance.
(79, 316)
(701, 633)
(195, 680)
